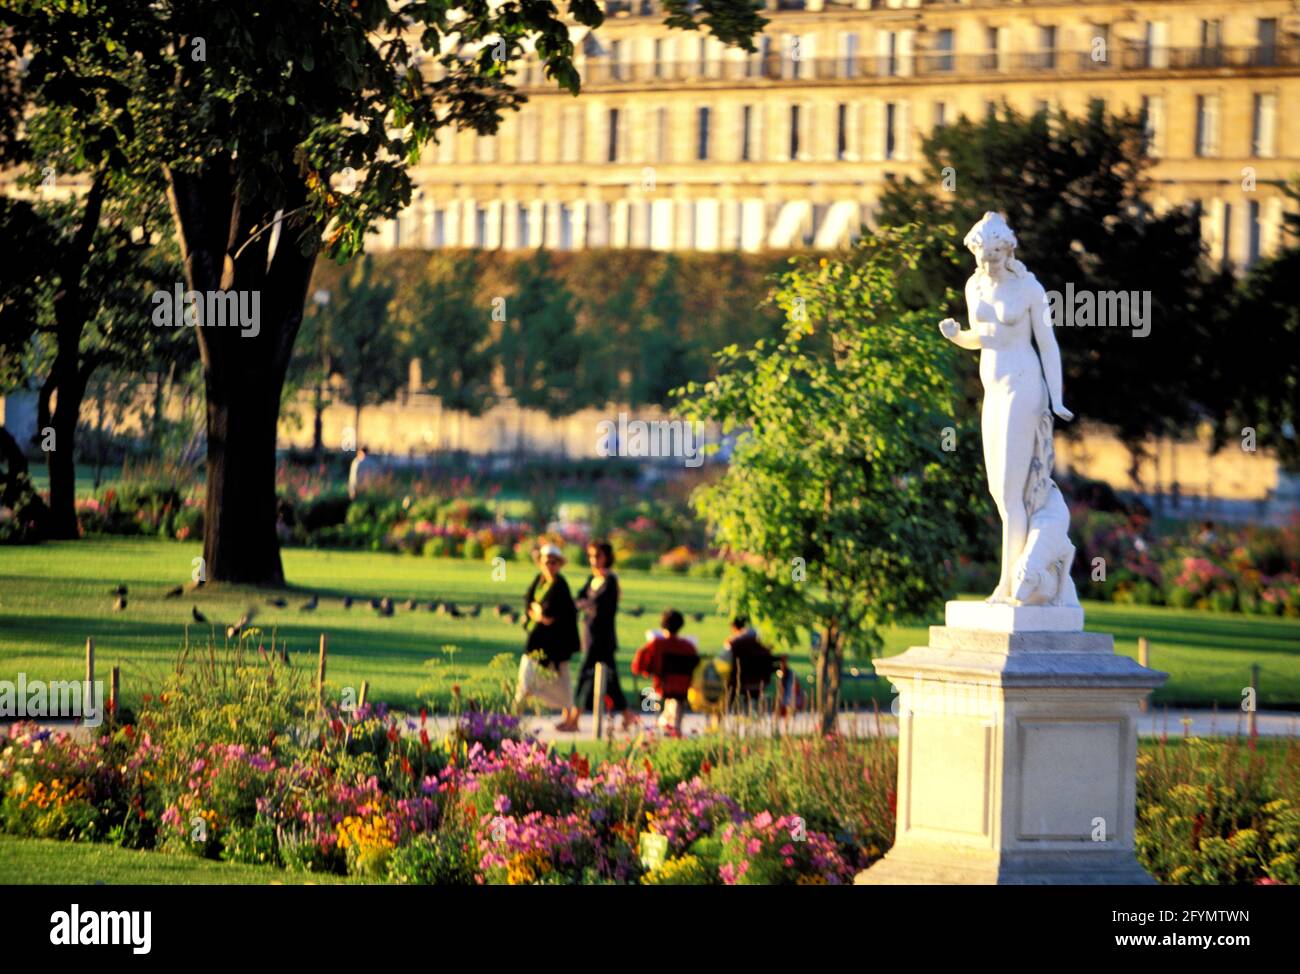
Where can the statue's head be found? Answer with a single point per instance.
(994, 245)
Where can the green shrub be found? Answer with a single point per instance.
(473, 549)
(445, 858)
(251, 843)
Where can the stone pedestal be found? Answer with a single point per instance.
(1017, 752)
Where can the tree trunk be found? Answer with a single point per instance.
(828, 680)
(61, 461)
(224, 241)
(318, 426)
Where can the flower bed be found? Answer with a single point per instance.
(237, 767)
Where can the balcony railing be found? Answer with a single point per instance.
(934, 64)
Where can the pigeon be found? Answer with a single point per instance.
(697, 616)
(514, 618)
(412, 605)
(474, 610)
(347, 601)
(374, 604)
(452, 611)
(119, 604)
(385, 606)
(175, 593)
(278, 602)
(237, 630)
(636, 611)
(120, 590)
(432, 607)
(198, 616)
(502, 610)
(440, 608)
(309, 605)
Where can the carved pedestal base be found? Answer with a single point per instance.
(1017, 755)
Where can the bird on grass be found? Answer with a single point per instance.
(278, 602)
(198, 616)
(385, 606)
(347, 601)
(502, 610)
(412, 605)
(473, 610)
(237, 630)
(119, 604)
(697, 616)
(120, 590)
(636, 611)
(440, 608)
(175, 593)
(310, 604)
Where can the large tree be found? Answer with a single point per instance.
(854, 465)
(259, 116)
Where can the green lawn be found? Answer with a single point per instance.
(53, 596)
(45, 861)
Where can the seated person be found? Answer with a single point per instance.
(670, 660)
(751, 663)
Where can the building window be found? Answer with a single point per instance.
(659, 58)
(1153, 123)
(566, 226)
(521, 225)
(888, 53)
(1155, 53)
(703, 56)
(943, 47)
(841, 131)
(746, 131)
(480, 225)
(528, 136)
(940, 114)
(1211, 43)
(611, 154)
(993, 42)
(891, 130)
(991, 110)
(794, 131)
(1098, 55)
(1226, 254)
(848, 55)
(1047, 47)
(1252, 244)
(616, 60)
(439, 228)
(571, 135)
(1207, 125)
(661, 135)
(1266, 36)
(702, 135)
(1264, 129)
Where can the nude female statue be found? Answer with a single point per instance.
(1022, 389)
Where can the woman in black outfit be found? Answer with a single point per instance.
(553, 627)
(598, 598)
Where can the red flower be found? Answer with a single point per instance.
(455, 689)
(146, 698)
(406, 765)
(392, 733)
(705, 766)
(580, 764)
(424, 738)
(609, 704)
(424, 715)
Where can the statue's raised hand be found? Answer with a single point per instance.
(949, 328)
(1063, 413)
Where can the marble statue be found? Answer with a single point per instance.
(1009, 316)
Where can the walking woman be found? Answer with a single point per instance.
(552, 632)
(598, 600)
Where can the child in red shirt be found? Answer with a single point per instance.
(670, 660)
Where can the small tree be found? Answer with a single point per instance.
(363, 340)
(843, 501)
(539, 344)
(453, 334)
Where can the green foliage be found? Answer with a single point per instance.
(840, 505)
(446, 858)
(451, 331)
(540, 348)
(362, 336)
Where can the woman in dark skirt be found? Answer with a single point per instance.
(598, 599)
(553, 627)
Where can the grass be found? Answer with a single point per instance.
(47, 861)
(53, 596)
